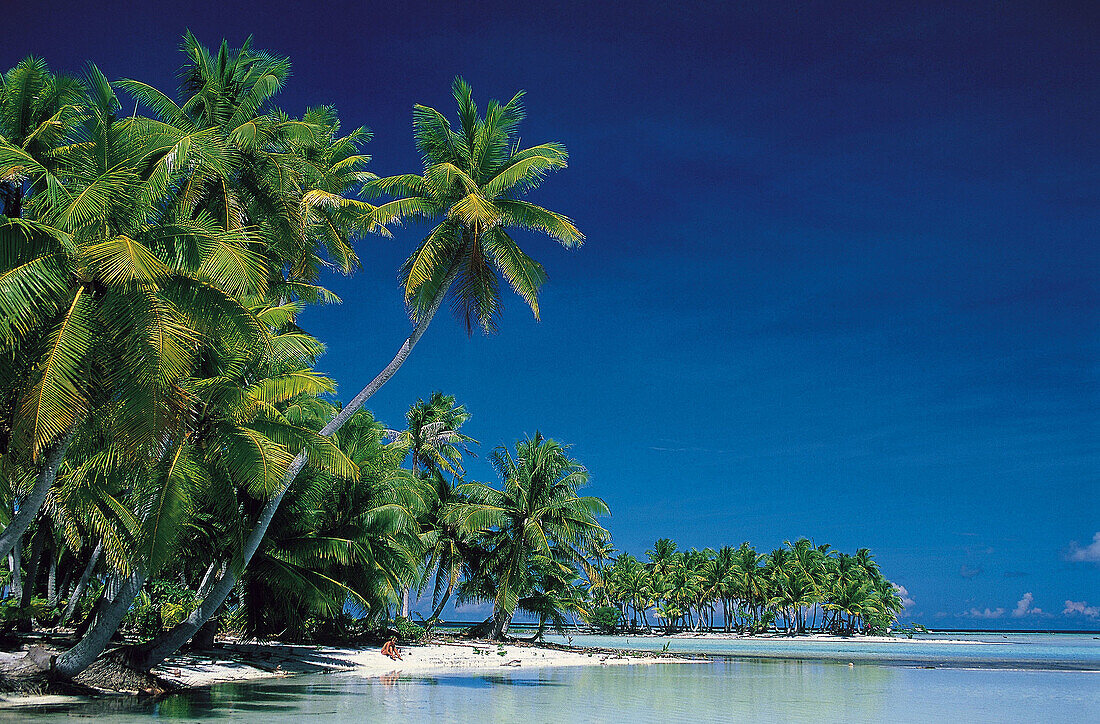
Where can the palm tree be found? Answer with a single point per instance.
(37, 109)
(450, 547)
(277, 161)
(106, 293)
(431, 434)
(538, 515)
(597, 556)
(337, 542)
(434, 443)
(506, 174)
(245, 435)
(471, 184)
(751, 583)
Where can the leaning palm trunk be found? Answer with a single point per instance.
(81, 656)
(443, 602)
(502, 619)
(32, 503)
(168, 643)
(78, 592)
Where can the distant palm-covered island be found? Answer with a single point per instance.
(176, 469)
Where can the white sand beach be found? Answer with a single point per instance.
(815, 638)
(247, 661)
(244, 661)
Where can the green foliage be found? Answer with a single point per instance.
(796, 588)
(472, 180)
(160, 606)
(153, 266)
(605, 619)
(532, 532)
(38, 609)
(407, 630)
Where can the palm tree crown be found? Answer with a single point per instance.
(471, 186)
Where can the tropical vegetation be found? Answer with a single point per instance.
(795, 589)
(174, 465)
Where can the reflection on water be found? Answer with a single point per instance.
(723, 690)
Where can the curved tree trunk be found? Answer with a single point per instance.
(81, 656)
(30, 580)
(501, 621)
(78, 592)
(168, 643)
(443, 602)
(32, 502)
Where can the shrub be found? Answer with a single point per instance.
(407, 630)
(605, 618)
(164, 605)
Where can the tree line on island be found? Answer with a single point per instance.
(795, 589)
(171, 462)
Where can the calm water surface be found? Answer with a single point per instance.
(1037, 651)
(740, 687)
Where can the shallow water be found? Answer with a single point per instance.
(988, 650)
(725, 689)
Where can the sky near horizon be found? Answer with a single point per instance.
(841, 271)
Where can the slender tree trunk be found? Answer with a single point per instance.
(443, 601)
(32, 502)
(65, 580)
(78, 592)
(501, 621)
(81, 656)
(51, 582)
(203, 640)
(15, 565)
(168, 643)
(208, 579)
(38, 543)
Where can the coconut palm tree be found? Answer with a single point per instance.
(538, 514)
(245, 434)
(451, 549)
(471, 186)
(435, 445)
(239, 443)
(288, 180)
(337, 542)
(106, 293)
(598, 554)
(37, 111)
(467, 239)
(751, 584)
(431, 434)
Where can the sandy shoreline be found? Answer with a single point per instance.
(247, 661)
(816, 638)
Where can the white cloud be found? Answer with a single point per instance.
(1088, 554)
(906, 601)
(987, 613)
(1024, 607)
(1081, 607)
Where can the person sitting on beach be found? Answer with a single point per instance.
(390, 649)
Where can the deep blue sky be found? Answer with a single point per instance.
(841, 277)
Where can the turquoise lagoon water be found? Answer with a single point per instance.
(986, 650)
(742, 685)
